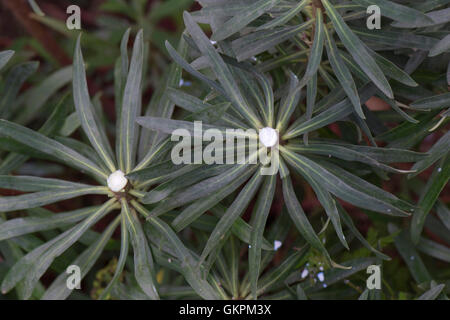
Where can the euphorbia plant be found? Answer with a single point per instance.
(98, 162)
(299, 77)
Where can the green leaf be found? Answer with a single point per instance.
(20, 226)
(50, 127)
(261, 41)
(281, 272)
(409, 254)
(284, 18)
(181, 182)
(315, 55)
(36, 97)
(332, 114)
(39, 142)
(289, 102)
(433, 293)
(358, 51)
(436, 152)
(144, 270)
(59, 290)
(430, 193)
(299, 218)
(124, 246)
(396, 39)
(200, 206)
(131, 107)
(440, 101)
(343, 74)
(161, 105)
(190, 267)
(391, 70)
(221, 70)
(42, 198)
(343, 153)
(243, 18)
(339, 187)
(259, 218)
(5, 56)
(84, 108)
(14, 80)
(440, 47)
(233, 212)
(437, 17)
(397, 11)
(349, 223)
(444, 214)
(33, 265)
(32, 184)
(434, 249)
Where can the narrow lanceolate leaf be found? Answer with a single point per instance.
(221, 70)
(200, 206)
(258, 223)
(410, 256)
(396, 39)
(160, 104)
(437, 151)
(433, 188)
(85, 112)
(343, 74)
(59, 290)
(358, 51)
(338, 187)
(37, 199)
(299, 218)
(14, 80)
(342, 152)
(315, 55)
(391, 70)
(434, 249)
(182, 182)
(349, 223)
(284, 18)
(234, 211)
(41, 143)
(243, 18)
(433, 293)
(260, 41)
(444, 214)
(190, 270)
(361, 184)
(33, 265)
(397, 11)
(20, 226)
(32, 184)
(289, 102)
(332, 114)
(53, 124)
(440, 47)
(131, 106)
(143, 262)
(280, 273)
(440, 101)
(437, 17)
(124, 246)
(5, 56)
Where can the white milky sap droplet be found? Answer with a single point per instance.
(117, 181)
(321, 276)
(277, 244)
(268, 137)
(305, 273)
